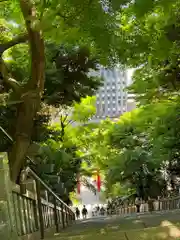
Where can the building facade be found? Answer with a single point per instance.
(112, 97)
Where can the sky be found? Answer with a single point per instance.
(129, 75)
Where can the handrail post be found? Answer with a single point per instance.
(67, 216)
(71, 216)
(55, 214)
(41, 220)
(62, 215)
(35, 211)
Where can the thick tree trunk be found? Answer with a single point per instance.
(31, 94)
(22, 138)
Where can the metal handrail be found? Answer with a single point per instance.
(32, 172)
(29, 170)
(11, 139)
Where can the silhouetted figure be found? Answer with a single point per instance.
(77, 213)
(150, 204)
(109, 208)
(138, 204)
(97, 210)
(102, 211)
(84, 212)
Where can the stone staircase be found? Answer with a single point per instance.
(155, 226)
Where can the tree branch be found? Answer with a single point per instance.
(12, 83)
(36, 44)
(6, 77)
(13, 42)
(70, 121)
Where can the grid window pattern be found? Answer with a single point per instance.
(112, 96)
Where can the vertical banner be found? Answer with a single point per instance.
(98, 182)
(78, 184)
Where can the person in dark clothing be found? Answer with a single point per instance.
(138, 204)
(84, 212)
(77, 213)
(109, 208)
(102, 211)
(97, 210)
(150, 204)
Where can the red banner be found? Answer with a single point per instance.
(98, 182)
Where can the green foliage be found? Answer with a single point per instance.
(85, 31)
(8, 115)
(58, 167)
(143, 147)
(69, 22)
(59, 159)
(141, 150)
(85, 110)
(118, 189)
(135, 152)
(149, 42)
(67, 72)
(68, 76)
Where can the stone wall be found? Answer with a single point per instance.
(7, 221)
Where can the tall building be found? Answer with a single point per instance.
(112, 97)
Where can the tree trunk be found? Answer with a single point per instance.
(31, 93)
(22, 138)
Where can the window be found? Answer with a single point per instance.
(108, 73)
(114, 74)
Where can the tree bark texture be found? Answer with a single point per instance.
(31, 92)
